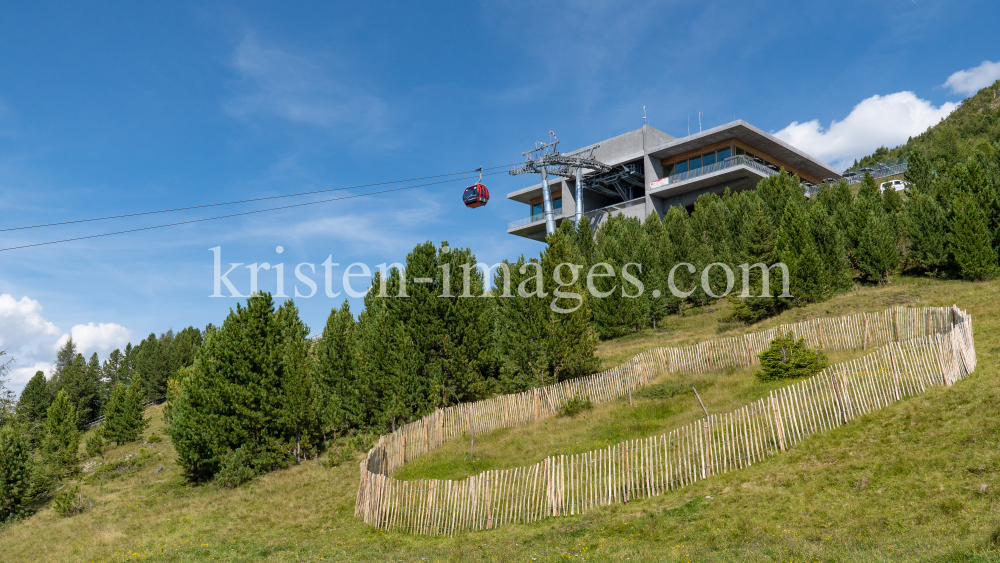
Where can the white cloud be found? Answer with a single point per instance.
(100, 338)
(299, 89)
(21, 322)
(877, 121)
(972, 80)
(19, 377)
(32, 340)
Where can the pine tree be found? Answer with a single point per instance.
(32, 406)
(877, 254)
(969, 241)
(34, 400)
(229, 412)
(124, 419)
(920, 174)
(300, 412)
(758, 247)
(62, 439)
(15, 471)
(80, 383)
(571, 340)
(675, 249)
(654, 269)
(386, 363)
(797, 250)
(831, 247)
(64, 358)
(585, 242)
(521, 327)
(334, 373)
(619, 306)
(926, 223)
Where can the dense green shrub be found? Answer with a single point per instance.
(575, 406)
(68, 502)
(788, 358)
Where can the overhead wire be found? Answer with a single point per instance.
(263, 198)
(203, 219)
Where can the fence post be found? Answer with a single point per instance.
(548, 487)
(489, 505)
(895, 372)
(899, 334)
(866, 331)
(538, 406)
(839, 394)
(746, 344)
(777, 422)
(707, 429)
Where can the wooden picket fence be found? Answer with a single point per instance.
(917, 348)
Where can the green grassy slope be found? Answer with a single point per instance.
(903, 484)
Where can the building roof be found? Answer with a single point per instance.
(746, 133)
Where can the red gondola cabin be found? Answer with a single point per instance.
(476, 196)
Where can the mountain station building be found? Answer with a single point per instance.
(651, 171)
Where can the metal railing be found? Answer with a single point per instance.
(880, 173)
(615, 207)
(730, 162)
(527, 220)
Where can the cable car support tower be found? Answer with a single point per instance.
(546, 159)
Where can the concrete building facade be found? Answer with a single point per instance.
(655, 171)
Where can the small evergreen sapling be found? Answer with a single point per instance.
(15, 471)
(95, 444)
(788, 358)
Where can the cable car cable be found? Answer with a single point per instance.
(265, 198)
(235, 214)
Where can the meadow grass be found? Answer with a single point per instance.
(917, 481)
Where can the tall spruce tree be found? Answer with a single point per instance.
(387, 364)
(124, 419)
(571, 341)
(759, 242)
(970, 242)
(927, 225)
(655, 269)
(920, 174)
(300, 411)
(620, 306)
(521, 326)
(34, 400)
(341, 406)
(830, 245)
(797, 250)
(877, 254)
(61, 444)
(675, 249)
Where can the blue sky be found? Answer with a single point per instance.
(115, 108)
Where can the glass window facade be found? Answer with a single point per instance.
(539, 208)
(709, 159)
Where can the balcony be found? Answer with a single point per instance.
(731, 162)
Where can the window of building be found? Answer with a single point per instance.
(539, 208)
(694, 163)
(723, 154)
(707, 159)
(681, 167)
